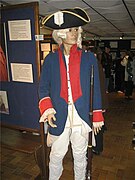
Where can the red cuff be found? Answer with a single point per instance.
(98, 116)
(45, 104)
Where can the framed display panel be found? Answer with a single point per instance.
(114, 44)
(47, 46)
(20, 25)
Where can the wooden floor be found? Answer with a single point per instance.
(117, 161)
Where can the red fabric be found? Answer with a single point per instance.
(3, 67)
(44, 104)
(74, 74)
(98, 116)
(63, 76)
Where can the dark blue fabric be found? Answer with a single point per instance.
(50, 86)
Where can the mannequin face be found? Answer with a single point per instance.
(71, 37)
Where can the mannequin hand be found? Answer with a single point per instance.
(97, 126)
(51, 118)
(96, 129)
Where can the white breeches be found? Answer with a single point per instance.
(59, 149)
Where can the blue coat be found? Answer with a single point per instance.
(50, 86)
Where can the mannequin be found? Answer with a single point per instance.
(64, 92)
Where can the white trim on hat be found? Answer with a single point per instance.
(58, 18)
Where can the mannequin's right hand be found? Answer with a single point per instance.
(51, 118)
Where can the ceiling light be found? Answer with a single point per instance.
(121, 37)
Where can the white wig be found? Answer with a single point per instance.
(60, 34)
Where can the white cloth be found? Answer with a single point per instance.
(59, 149)
(43, 118)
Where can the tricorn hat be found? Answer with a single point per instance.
(66, 18)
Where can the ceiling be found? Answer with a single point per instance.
(110, 19)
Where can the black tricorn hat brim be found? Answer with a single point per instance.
(71, 18)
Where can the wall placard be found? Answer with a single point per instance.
(19, 30)
(22, 72)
